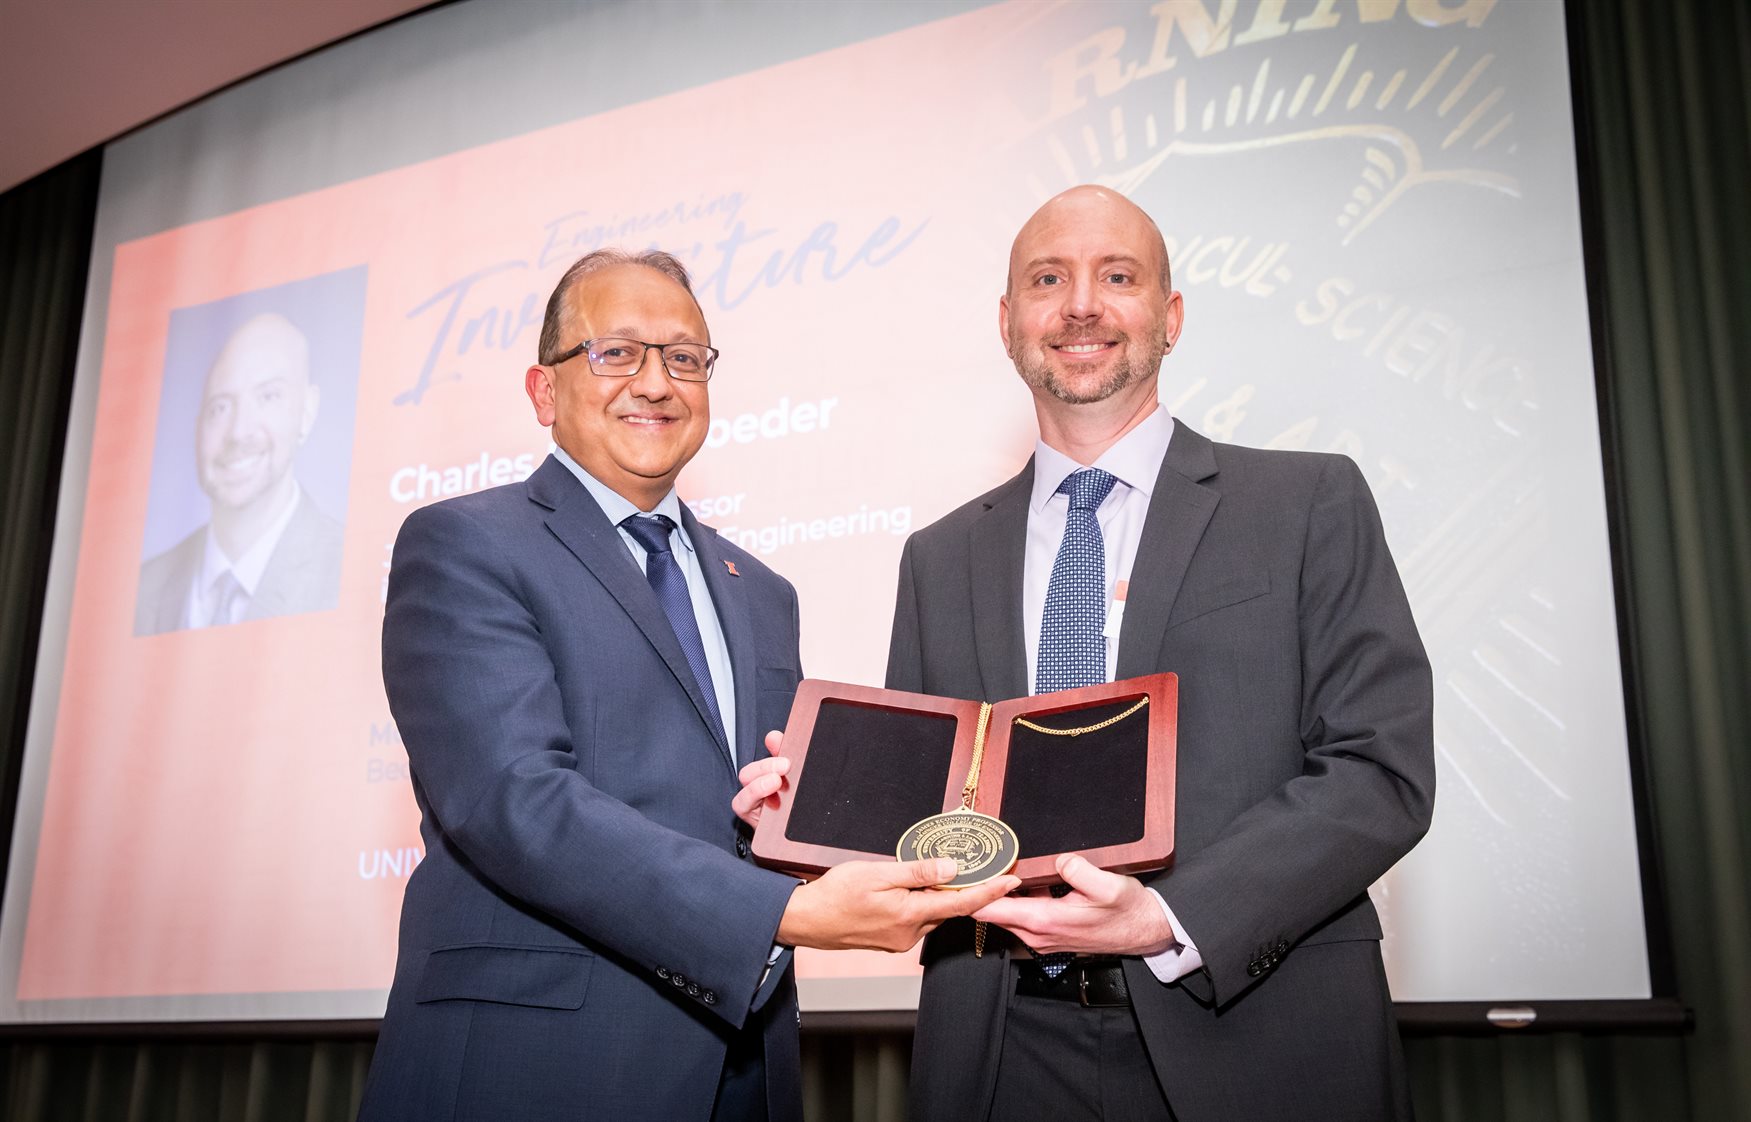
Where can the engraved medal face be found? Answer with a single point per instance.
(981, 846)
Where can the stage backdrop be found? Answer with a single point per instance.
(1371, 208)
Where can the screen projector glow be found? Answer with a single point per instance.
(1372, 212)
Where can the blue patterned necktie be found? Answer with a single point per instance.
(1073, 645)
(670, 585)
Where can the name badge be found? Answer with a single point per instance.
(1116, 610)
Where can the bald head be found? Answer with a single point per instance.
(1088, 314)
(256, 409)
(1090, 208)
(269, 338)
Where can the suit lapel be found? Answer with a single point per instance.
(285, 570)
(581, 527)
(997, 551)
(1179, 510)
(170, 606)
(738, 629)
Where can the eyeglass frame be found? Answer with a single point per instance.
(662, 350)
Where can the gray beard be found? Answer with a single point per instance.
(1039, 375)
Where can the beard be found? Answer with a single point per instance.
(1137, 359)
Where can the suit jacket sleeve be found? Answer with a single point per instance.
(1366, 791)
(905, 649)
(473, 691)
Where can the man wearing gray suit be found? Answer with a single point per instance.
(269, 550)
(1244, 981)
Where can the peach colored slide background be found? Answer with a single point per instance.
(207, 809)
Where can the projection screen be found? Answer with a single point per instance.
(1371, 207)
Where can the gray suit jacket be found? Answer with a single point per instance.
(302, 576)
(1306, 769)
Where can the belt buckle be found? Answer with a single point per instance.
(1105, 1000)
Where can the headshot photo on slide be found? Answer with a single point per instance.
(247, 505)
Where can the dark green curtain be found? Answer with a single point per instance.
(1665, 132)
(45, 242)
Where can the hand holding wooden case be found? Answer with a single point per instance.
(1087, 771)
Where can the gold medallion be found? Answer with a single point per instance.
(982, 847)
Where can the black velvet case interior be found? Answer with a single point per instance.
(869, 774)
(1065, 794)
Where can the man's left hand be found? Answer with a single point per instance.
(761, 781)
(1104, 913)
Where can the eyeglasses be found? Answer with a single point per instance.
(622, 358)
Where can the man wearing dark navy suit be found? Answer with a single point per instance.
(577, 668)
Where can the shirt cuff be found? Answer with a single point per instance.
(778, 950)
(1178, 960)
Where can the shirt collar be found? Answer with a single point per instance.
(248, 569)
(1134, 461)
(618, 507)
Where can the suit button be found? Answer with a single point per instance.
(677, 981)
(709, 997)
(1283, 947)
(692, 989)
(741, 848)
(1253, 970)
(663, 972)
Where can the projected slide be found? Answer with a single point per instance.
(1370, 208)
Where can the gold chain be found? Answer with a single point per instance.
(972, 772)
(1026, 724)
(972, 787)
(967, 793)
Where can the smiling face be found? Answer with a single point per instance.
(634, 434)
(257, 408)
(1088, 315)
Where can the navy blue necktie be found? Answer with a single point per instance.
(1073, 645)
(670, 585)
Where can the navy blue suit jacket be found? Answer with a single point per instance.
(586, 931)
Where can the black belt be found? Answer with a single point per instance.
(1096, 983)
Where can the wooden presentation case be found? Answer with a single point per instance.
(868, 763)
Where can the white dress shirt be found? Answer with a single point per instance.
(204, 596)
(717, 651)
(1134, 461)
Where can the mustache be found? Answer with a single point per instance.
(239, 450)
(1074, 338)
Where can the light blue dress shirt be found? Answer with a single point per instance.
(717, 651)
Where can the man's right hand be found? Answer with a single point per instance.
(878, 905)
